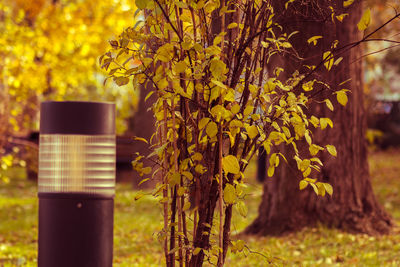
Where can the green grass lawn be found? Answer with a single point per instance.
(138, 222)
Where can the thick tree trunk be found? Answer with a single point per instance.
(353, 206)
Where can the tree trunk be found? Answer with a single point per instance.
(353, 206)
(142, 124)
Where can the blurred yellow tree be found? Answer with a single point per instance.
(49, 50)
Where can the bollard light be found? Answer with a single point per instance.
(76, 184)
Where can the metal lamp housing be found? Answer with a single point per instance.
(76, 184)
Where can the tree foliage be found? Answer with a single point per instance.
(216, 105)
(49, 51)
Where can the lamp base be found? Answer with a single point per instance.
(75, 231)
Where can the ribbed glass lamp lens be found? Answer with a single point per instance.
(77, 164)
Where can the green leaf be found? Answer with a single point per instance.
(230, 164)
(212, 129)
(303, 184)
(365, 20)
(332, 150)
(342, 97)
(229, 194)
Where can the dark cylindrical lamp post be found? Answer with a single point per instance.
(76, 184)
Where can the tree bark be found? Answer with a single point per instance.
(142, 124)
(353, 206)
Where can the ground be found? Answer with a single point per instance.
(137, 224)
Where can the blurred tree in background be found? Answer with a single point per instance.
(49, 51)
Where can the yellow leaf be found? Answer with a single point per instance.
(186, 206)
(203, 122)
(328, 60)
(175, 179)
(303, 184)
(314, 39)
(229, 194)
(197, 156)
(342, 97)
(140, 139)
(248, 110)
(196, 251)
(332, 150)
(180, 67)
(230, 164)
(252, 131)
(315, 188)
(328, 188)
(188, 175)
(147, 170)
(200, 169)
(329, 104)
(120, 81)
(341, 17)
(304, 164)
(337, 61)
(314, 149)
(271, 171)
(365, 20)
(212, 129)
(217, 40)
(243, 210)
(232, 25)
(181, 191)
(235, 108)
(347, 3)
(308, 86)
(287, 3)
(324, 122)
(141, 4)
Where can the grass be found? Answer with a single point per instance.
(138, 222)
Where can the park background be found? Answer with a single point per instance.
(50, 51)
